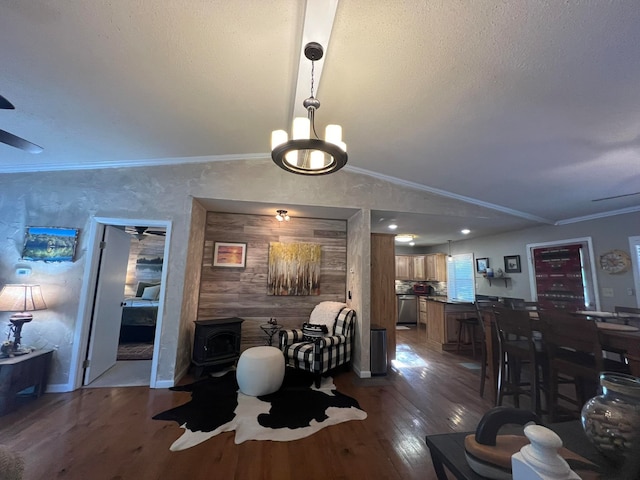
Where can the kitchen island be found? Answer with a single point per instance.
(441, 318)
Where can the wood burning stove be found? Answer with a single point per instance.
(216, 343)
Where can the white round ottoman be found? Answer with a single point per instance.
(260, 371)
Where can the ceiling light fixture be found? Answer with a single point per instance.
(404, 238)
(304, 155)
(393, 226)
(282, 216)
(450, 257)
(465, 231)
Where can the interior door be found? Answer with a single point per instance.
(107, 309)
(559, 277)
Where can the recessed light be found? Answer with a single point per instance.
(412, 244)
(393, 226)
(465, 231)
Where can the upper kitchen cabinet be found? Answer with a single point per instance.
(419, 270)
(404, 267)
(436, 267)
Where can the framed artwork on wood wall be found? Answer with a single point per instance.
(229, 254)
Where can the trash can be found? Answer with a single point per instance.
(378, 350)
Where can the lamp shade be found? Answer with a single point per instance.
(21, 298)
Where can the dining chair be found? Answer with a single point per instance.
(483, 307)
(574, 355)
(517, 354)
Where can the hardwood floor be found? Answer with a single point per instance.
(108, 433)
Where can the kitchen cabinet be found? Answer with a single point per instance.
(422, 311)
(436, 267)
(435, 324)
(443, 324)
(429, 267)
(404, 267)
(419, 271)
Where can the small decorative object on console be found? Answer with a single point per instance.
(540, 459)
(612, 420)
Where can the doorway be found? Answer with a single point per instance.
(120, 269)
(562, 274)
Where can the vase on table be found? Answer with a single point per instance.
(611, 420)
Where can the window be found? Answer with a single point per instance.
(460, 278)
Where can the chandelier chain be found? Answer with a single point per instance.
(313, 67)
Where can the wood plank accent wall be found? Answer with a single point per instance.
(231, 292)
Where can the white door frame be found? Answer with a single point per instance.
(87, 294)
(594, 278)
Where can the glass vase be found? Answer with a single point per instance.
(611, 420)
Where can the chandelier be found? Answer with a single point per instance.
(302, 154)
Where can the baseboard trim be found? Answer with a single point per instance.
(362, 373)
(165, 384)
(58, 388)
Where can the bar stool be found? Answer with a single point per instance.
(469, 326)
(517, 351)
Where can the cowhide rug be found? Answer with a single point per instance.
(295, 411)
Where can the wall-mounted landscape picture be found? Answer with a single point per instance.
(50, 244)
(149, 268)
(294, 269)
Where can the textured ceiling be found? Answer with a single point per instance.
(530, 108)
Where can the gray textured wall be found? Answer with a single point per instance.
(71, 199)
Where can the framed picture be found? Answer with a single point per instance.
(230, 255)
(482, 264)
(50, 244)
(512, 264)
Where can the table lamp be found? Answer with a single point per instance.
(22, 299)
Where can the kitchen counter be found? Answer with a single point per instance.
(442, 321)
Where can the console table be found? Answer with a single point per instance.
(447, 449)
(23, 376)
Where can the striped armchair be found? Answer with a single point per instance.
(324, 353)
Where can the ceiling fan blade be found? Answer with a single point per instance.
(21, 143)
(6, 104)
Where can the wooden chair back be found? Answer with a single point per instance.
(572, 339)
(517, 349)
(574, 353)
